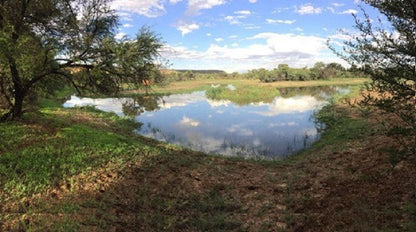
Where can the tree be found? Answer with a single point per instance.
(71, 41)
(388, 56)
(283, 70)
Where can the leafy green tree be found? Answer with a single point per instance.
(189, 75)
(67, 41)
(283, 70)
(386, 51)
(317, 71)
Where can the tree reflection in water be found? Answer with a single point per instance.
(137, 105)
(262, 130)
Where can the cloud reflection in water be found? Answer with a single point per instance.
(259, 130)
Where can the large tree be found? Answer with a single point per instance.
(385, 48)
(43, 42)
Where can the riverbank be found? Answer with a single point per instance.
(82, 169)
(204, 84)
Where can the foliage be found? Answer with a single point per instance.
(33, 158)
(386, 51)
(243, 94)
(283, 72)
(47, 44)
(319, 71)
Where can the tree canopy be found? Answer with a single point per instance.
(386, 49)
(319, 71)
(46, 43)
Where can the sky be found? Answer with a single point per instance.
(240, 35)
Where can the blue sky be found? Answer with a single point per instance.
(239, 35)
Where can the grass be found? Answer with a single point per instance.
(243, 94)
(51, 148)
(205, 84)
(85, 170)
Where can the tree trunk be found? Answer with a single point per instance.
(17, 109)
(19, 94)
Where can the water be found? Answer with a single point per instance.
(256, 130)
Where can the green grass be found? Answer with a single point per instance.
(243, 94)
(205, 84)
(35, 156)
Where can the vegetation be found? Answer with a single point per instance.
(85, 170)
(283, 72)
(49, 44)
(388, 55)
(82, 169)
(243, 94)
(319, 71)
(206, 84)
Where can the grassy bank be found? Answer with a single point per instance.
(85, 170)
(205, 84)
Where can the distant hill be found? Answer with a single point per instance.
(194, 71)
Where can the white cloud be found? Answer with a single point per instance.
(219, 39)
(186, 28)
(308, 9)
(252, 1)
(174, 1)
(127, 25)
(264, 50)
(292, 44)
(243, 12)
(124, 16)
(349, 11)
(338, 4)
(282, 124)
(331, 9)
(180, 52)
(251, 27)
(274, 21)
(105, 104)
(218, 103)
(194, 6)
(342, 35)
(291, 105)
(235, 19)
(209, 34)
(240, 130)
(232, 19)
(120, 35)
(148, 8)
(189, 122)
(180, 100)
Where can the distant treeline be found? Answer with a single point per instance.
(200, 71)
(320, 71)
(283, 72)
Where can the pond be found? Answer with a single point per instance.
(263, 130)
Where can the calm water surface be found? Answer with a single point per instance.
(256, 130)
